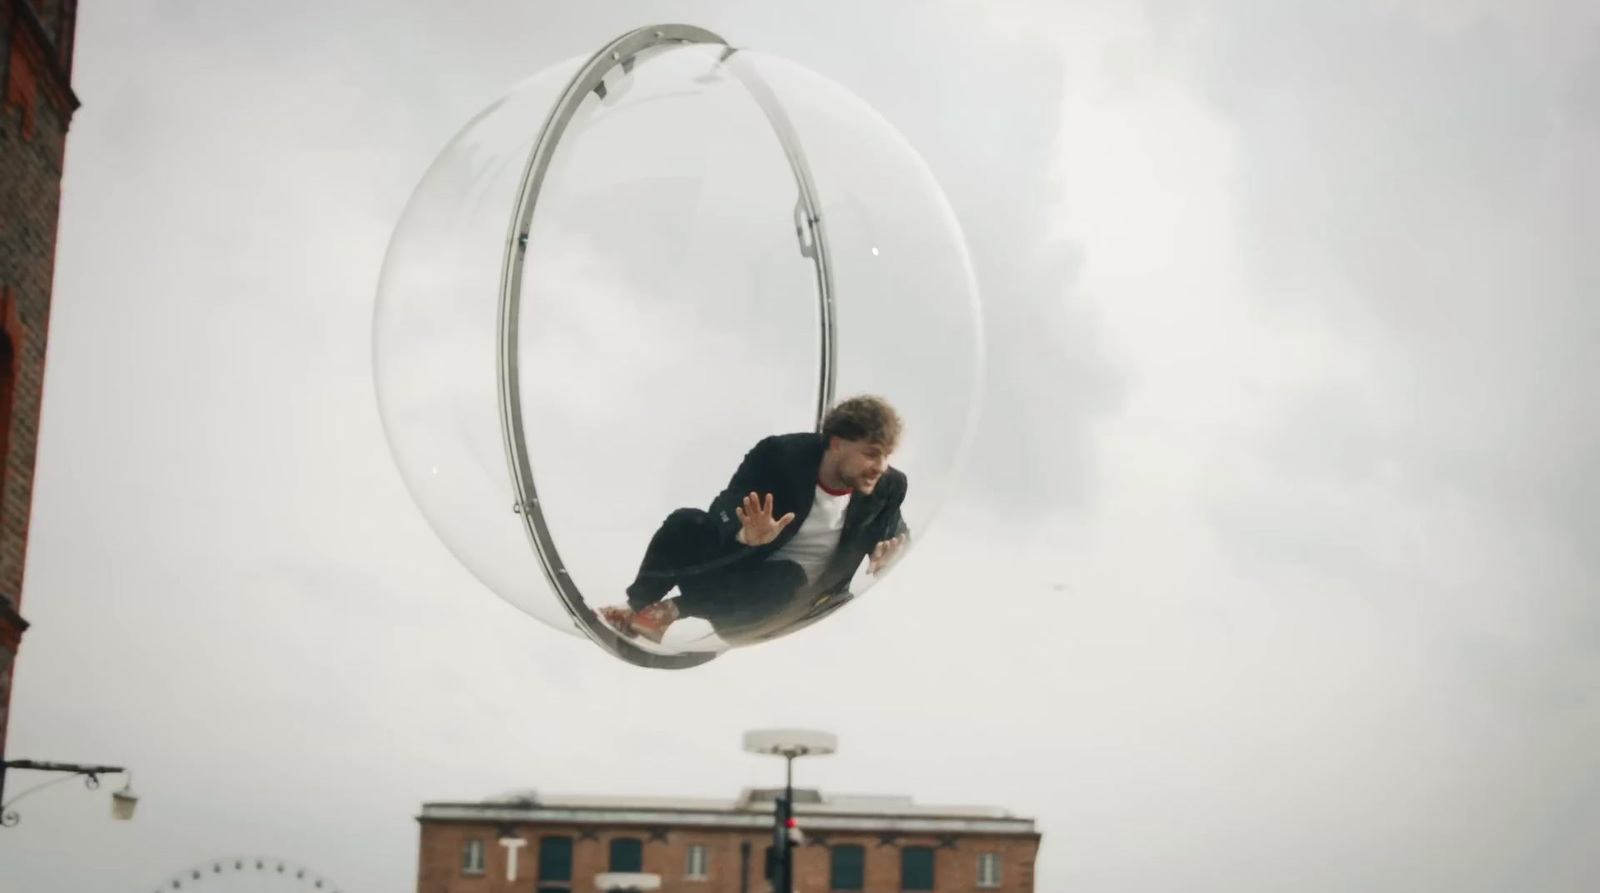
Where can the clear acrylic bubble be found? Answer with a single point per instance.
(722, 245)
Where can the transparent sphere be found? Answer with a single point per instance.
(621, 277)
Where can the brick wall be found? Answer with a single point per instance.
(36, 106)
(439, 867)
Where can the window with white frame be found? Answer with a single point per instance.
(989, 870)
(472, 857)
(697, 862)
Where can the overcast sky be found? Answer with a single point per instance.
(1274, 567)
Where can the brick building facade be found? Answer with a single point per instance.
(36, 40)
(525, 843)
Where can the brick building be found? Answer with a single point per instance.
(538, 844)
(36, 37)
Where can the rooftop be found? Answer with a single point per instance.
(752, 808)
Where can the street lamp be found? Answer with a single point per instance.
(789, 744)
(122, 801)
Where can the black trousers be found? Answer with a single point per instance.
(738, 597)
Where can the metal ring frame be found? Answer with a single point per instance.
(625, 52)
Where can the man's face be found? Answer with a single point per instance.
(861, 463)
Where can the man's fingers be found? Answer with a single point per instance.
(885, 550)
(784, 521)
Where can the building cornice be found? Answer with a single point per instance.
(755, 821)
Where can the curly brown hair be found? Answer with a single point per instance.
(866, 418)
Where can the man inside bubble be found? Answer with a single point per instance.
(785, 537)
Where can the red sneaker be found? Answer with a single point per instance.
(652, 621)
(617, 617)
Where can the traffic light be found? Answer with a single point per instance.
(781, 824)
(781, 872)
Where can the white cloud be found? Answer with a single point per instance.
(1263, 575)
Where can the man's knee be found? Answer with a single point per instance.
(688, 529)
(687, 517)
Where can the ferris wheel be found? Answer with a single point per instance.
(248, 874)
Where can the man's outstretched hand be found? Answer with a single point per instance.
(884, 553)
(759, 527)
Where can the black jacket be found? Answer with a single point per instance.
(786, 466)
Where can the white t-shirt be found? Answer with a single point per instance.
(813, 544)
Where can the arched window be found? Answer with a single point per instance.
(849, 867)
(627, 855)
(8, 386)
(10, 355)
(916, 868)
(555, 860)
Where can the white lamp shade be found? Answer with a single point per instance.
(122, 804)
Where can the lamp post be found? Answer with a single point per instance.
(789, 744)
(122, 801)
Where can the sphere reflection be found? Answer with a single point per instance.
(633, 292)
